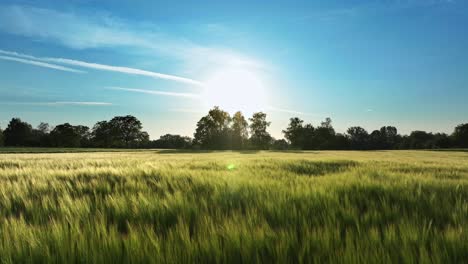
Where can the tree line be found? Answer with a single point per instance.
(218, 130)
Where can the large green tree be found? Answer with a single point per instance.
(260, 138)
(120, 131)
(127, 129)
(65, 135)
(294, 133)
(460, 136)
(1, 137)
(17, 133)
(213, 130)
(239, 130)
(169, 141)
(358, 138)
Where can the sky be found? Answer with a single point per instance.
(368, 63)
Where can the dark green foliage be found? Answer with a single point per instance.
(218, 130)
(66, 135)
(280, 144)
(17, 133)
(295, 132)
(260, 138)
(358, 138)
(120, 131)
(213, 130)
(239, 131)
(1, 137)
(169, 141)
(460, 136)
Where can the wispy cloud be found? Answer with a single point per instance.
(103, 67)
(289, 111)
(40, 64)
(155, 92)
(59, 103)
(100, 30)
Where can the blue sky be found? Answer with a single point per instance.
(367, 63)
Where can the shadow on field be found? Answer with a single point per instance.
(449, 150)
(318, 168)
(191, 151)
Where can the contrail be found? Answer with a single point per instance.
(40, 64)
(103, 67)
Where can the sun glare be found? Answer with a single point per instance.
(235, 89)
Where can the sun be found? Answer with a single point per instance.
(235, 90)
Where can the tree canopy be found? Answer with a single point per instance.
(218, 130)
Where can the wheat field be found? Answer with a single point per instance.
(162, 206)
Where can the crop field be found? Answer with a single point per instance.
(234, 207)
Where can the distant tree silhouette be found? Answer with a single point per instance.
(213, 130)
(295, 133)
(65, 135)
(239, 130)
(260, 138)
(419, 140)
(280, 144)
(460, 136)
(120, 131)
(441, 140)
(169, 141)
(103, 135)
(1, 137)
(127, 129)
(340, 142)
(358, 138)
(17, 133)
(325, 135)
(217, 130)
(309, 138)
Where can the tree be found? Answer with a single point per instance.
(127, 129)
(18, 133)
(169, 141)
(41, 135)
(308, 138)
(358, 138)
(460, 136)
(84, 134)
(340, 141)
(420, 140)
(441, 140)
(103, 135)
(280, 144)
(213, 131)
(120, 131)
(1, 137)
(389, 136)
(240, 133)
(324, 135)
(65, 135)
(295, 133)
(258, 125)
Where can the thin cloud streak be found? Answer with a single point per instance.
(100, 30)
(155, 92)
(104, 67)
(40, 64)
(289, 111)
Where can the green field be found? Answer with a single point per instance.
(234, 207)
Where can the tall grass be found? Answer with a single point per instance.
(227, 207)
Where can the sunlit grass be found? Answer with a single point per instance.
(269, 207)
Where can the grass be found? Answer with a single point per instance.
(231, 207)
